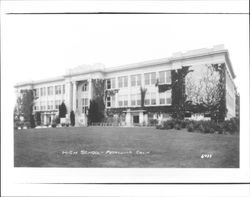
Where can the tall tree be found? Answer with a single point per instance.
(62, 110)
(143, 94)
(205, 87)
(97, 106)
(24, 107)
(72, 118)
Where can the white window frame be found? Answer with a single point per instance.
(167, 77)
(165, 96)
(150, 78)
(137, 81)
(85, 104)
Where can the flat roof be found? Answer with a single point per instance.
(88, 69)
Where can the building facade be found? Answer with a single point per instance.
(124, 85)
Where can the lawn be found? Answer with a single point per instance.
(124, 147)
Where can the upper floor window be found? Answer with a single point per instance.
(110, 83)
(85, 87)
(43, 91)
(123, 82)
(150, 78)
(165, 77)
(136, 80)
(36, 92)
(50, 90)
(58, 89)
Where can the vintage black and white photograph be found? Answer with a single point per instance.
(160, 95)
(95, 95)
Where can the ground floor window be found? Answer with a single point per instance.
(84, 105)
(123, 100)
(57, 103)
(150, 98)
(135, 99)
(165, 98)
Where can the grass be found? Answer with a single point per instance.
(162, 148)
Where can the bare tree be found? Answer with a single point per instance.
(203, 87)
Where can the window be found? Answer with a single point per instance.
(57, 103)
(147, 78)
(43, 91)
(110, 83)
(49, 105)
(113, 101)
(85, 87)
(150, 98)
(84, 105)
(147, 99)
(58, 89)
(153, 78)
(108, 101)
(50, 90)
(42, 105)
(153, 98)
(165, 77)
(123, 100)
(113, 83)
(150, 78)
(135, 99)
(36, 107)
(123, 82)
(165, 98)
(120, 82)
(36, 92)
(138, 101)
(136, 80)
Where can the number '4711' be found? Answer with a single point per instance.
(206, 156)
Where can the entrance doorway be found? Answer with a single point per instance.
(136, 119)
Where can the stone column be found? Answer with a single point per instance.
(141, 118)
(90, 89)
(68, 96)
(128, 118)
(74, 96)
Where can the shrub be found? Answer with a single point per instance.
(153, 122)
(53, 124)
(57, 120)
(27, 124)
(72, 118)
(231, 126)
(190, 127)
(177, 126)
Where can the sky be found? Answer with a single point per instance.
(43, 46)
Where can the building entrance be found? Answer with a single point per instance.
(136, 119)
